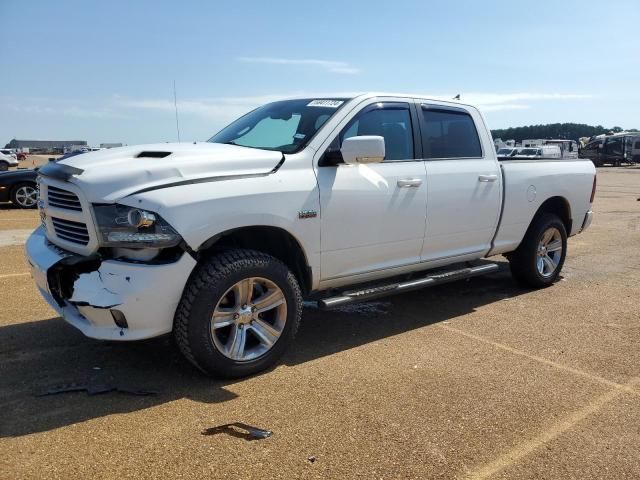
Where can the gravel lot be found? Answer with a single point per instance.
(477, 379)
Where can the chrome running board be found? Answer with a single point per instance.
(402, 287)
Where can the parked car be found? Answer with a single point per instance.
(9, 151)
(336, 200)
(19, 187)
(506, 152)
(7, 161)
(539, 152)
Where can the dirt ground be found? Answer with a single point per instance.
(476, 379)
(35, 161)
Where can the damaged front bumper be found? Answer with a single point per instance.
(85, 290)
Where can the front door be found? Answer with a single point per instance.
(373, 215)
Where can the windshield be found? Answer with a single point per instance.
(286, 126)
(528, 151)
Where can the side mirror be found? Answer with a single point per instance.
(363, 149)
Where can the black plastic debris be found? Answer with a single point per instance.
(311, 459)
(93, 389)
(239, 430)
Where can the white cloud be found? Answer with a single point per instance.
(485, 99)
(503, 106)
(58, 108)
(223, 109)
(331, 66)
(495, 102)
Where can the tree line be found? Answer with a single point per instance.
(571, 131)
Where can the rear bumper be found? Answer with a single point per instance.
(146, 294)
(587, 220)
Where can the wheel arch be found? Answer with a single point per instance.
(274, 241)
(20, 183)
(559, 206)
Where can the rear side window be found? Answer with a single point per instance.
(449, 134)
(637, 147)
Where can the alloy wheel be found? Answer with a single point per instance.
(26, 196)
(549, 252)
(249, 319)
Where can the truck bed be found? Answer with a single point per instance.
(528, 183)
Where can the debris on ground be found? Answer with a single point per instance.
(239, 430)
(311, 459)
(93, 389)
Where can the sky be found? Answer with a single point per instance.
(104, 71)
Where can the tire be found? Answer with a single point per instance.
(4, 166)
(214, 295)
(532, 265)
(24, 195)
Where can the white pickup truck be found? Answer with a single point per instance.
(332, 199)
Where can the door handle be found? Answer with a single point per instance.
(409, 183)
(487, 178)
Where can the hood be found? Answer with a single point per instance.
(8, 158)
(21, 174)
(109, 175)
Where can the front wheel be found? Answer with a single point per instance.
(238, 314)
(539, 259)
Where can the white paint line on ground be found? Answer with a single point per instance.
(566, 368)
(9, 275)
(14, 237)
(530, 445)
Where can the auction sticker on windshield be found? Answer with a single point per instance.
(325, 103)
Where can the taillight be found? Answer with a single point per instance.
(593, 189)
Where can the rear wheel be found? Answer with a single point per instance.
(238, 314)
(4, 166)
(25, 195)
(539, 259)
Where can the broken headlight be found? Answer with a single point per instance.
(123, 226)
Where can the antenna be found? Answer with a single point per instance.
(175, 104)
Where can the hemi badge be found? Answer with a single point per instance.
(307, 214)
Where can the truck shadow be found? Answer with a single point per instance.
(37, 355)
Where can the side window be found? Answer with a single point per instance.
(637, 147)
(394, 124)
(449, 134)
(614, 146)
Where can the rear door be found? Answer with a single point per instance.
(464, 182)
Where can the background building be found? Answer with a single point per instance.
(44, 146)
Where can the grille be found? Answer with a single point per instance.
(75, 232)
(60, 198)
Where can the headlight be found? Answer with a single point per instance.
(122, 226)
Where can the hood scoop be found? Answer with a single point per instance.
(153, 154)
